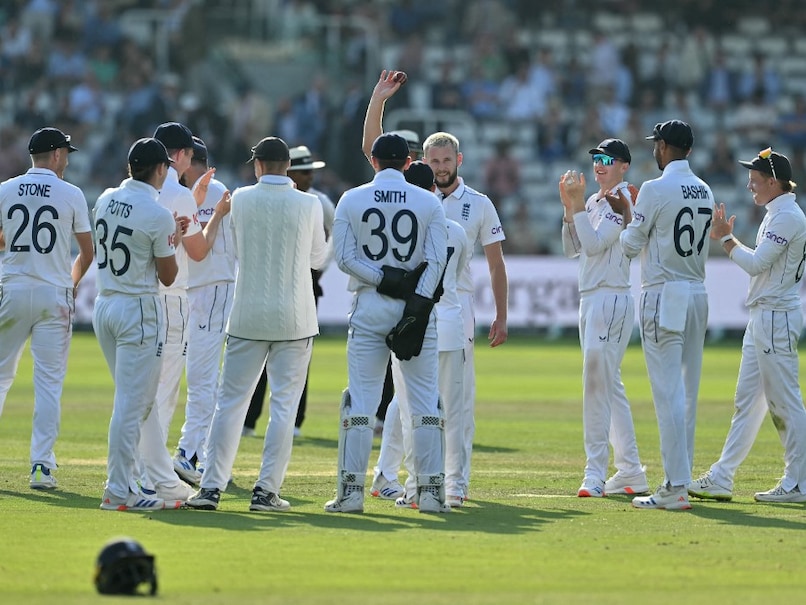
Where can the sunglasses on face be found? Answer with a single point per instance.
(604, 160)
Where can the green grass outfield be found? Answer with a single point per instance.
(523, 538)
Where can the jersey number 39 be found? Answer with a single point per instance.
(403, 232)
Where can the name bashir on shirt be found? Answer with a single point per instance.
(390, 197)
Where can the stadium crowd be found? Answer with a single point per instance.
(540, 84)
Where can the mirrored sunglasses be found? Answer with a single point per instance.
(604, 160)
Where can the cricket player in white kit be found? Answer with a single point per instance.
(135, 239)
(390, 238)
(211, 286)
(670, 229)
(40, 213)
(476, 213)
(396, 438)
(768, 374)
(196, 243)
(590, 232)
(279, 237)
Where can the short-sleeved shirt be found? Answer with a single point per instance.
(450, 324)
(476, 214)
(131, 230)
(177, 198)
(671, 227)
(39, 213)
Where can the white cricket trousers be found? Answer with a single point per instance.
(372, 318)
(469, 408)
(606, 319)
(286, 367)
(396, 439)
(45, 313)
(156, 460)
(768, 381)
(674, 364)
(209, 310)
(128, 332)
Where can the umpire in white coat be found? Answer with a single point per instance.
(279, 237)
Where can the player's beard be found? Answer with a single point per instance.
(448, 182)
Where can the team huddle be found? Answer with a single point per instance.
(186, 270)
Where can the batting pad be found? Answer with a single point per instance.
(355, 443)
(428, 445)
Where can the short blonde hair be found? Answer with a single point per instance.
(441, 139)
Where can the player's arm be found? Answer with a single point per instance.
(500, 286)
(201, 242)
(2, 240)
(345, 249)
(388, 84)
(571, 244)
(757, 261)
(321, 250)
(166, 269)
(84, 258)
(636, 234)
(165, 249)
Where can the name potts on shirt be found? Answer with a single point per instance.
(119, 208)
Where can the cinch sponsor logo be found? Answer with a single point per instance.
(206, 211)
(638, 216)
(614, 217)
(776, 238)
(497, 230)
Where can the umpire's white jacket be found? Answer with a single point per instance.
(278, 237)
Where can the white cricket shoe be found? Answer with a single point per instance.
(175, 496)
(633, 485)
(267, 501)
(430, 502)
(455, 501)
(185, 468)
(707, 489)
(592, 488)
(134, 502)
(350, 503)
(779, 494)
(665, 497)
(386, 490)
(405, 502)
(42, 477)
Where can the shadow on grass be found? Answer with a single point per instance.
(493, 449)
(55, 497)
(478, 516)
(729, 513)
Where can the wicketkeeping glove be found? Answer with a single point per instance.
(399, 283)
(406, 338)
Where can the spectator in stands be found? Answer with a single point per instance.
(760, 75)
(502, 176)
(721, 168)
(312, 111)
(792, 130)
(696, 53)
(520, 99)
(492, 17)
(67, 64)
(755, 120)
(480, 94)
(718, 91)
(613, 114)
